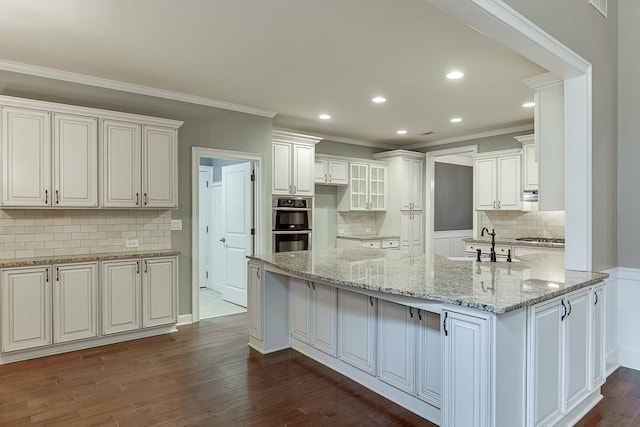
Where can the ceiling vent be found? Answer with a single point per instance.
(600, 5)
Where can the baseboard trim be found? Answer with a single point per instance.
(185, 319)
(629, 359)
(581, 410)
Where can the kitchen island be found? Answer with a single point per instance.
(457, 341)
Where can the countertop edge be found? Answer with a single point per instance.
(369, 237)
(69, 259)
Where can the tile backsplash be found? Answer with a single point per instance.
(34, 233)
(350, 223)
(513, 224)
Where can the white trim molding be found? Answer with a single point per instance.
(185, 319)
(624, 289)
(470, 137)
(68, 76)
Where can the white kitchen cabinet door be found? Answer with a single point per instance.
(411, 185)
(397, 331)
(338, 172)
(300, 309)
(357, 330)
(530, 167)
(509, 189)
(577, 348)
(26, 157)
(429, 369)
(466, 387)
(377, 188)
(411, 230)
(120, 148)
(26, 308)
(120, 296)
(75, 302)
(159, 167)
(303, 161)
(254, 299)
(359, 187)
(324, 318)
(75, 161)
(321, 172)
(281, 167)
(599, 371)
(545, 363)
(485, 182)
(159, 291)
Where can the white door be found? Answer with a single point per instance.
(397, 345)
(509, 197)
(26, 308)
(75, 161)
(237, 211)
(120, 147)
(303, 165)
(338, 172)
(26, 157)
(159, 291)
(217, 275)
(281, 167)
(485, 182)
(205, 226)
(75, 302)
(160, 167)
(321, 172)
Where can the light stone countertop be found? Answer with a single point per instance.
(69, 259)
(514, 242)
(368, 236)
(494, 287)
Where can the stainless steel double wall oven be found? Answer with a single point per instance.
(291, 223)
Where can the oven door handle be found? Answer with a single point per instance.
(292, 232)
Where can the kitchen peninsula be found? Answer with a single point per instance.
(456, 341)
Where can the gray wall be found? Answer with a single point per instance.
(203, 127)
(453, 197)
(347, 150)
(628, 135)
(583, 29)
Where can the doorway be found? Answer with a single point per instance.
(225, 232)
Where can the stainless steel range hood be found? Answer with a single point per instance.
(530, 196)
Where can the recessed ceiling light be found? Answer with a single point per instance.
(401, 132)
(379, 99)
(324, 117)
(456, 120)
(529, 104)
(454, 75)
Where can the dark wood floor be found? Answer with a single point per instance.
(206, 375)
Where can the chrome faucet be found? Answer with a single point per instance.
(492, 255)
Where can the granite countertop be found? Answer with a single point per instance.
(494, 287)
(68, 259)
(369, 236)
(514, 242)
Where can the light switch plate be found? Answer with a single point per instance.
(176, 224)
(132, 243)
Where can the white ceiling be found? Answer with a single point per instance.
(299, 58)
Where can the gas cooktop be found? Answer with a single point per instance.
(539, 240)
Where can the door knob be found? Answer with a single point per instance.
(223, 240)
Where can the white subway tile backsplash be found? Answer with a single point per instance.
(514, 224)
(29, 233)
(351, 223)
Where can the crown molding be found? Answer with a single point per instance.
(68, 76)
(479, 135)
(342, 140)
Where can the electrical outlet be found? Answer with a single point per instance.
(132, 243)
(176, 224)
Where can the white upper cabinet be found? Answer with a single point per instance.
(293, 161)
(139, 165)
(412, 188)
(26, 157)
(120, 149)
(331, 171)
(75, 161)
(529, 163)
(497, 181)
(367, 190)
(53, 155)
(160, 167)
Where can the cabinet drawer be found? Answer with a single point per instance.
(390, 244)
(371, 244)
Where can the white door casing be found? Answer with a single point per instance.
(237, 212)
(205, 226)
(218, 275)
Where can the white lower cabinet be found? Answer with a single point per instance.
(314, 314)
(429, 369)
(357, 330)
(26, 308)
(466, 394)
(599, 371)
(75, 302)
(138, 293)
(561, 356)
(254, 299)
(411, 231)
(397, 332)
